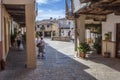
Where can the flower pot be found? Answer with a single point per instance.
(83, 55)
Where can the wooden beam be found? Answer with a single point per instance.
(99, 14)
(84, 1)
(100, 7)
(18, 1)
(117, 12)
(16, 11)
(76, 15)
(107, 1)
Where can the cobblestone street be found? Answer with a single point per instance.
(60, 64)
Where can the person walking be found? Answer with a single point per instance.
(72, 38)
(37, 39)
(19, 40)
(41, 45)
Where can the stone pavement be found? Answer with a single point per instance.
(60, 64)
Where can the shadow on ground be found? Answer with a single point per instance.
(55, 66)
(113, 63)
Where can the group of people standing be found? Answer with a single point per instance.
(40, 45)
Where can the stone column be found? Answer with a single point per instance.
(76, 38)
(79, 32)
(2, 41)
(81, 28)
(75, 34)
(0, 34)
(3, 32)
(30, 35)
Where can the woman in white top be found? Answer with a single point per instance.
(41, 47)
(37, 40)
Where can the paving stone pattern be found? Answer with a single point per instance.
(60, 64)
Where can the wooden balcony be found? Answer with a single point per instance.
(18, 1)
(84, 1)
(69, 15)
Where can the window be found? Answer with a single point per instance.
(42, 28)
(47, 26)
(42, 25)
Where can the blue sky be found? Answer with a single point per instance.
(50, 8)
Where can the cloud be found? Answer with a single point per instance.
(46, 1)
(50, 8)
(42, 1)
(46, 14)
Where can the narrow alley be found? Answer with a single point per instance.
(82, 40)
(60, 64)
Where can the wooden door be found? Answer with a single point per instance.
(118, 41)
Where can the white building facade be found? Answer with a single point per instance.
(66, 27)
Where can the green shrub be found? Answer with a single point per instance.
(84, 47)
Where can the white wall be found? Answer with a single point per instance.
(110, 25)
(78, 5)
(87, 33)
(14, 25)
(65, 32)
(92, 21)
(66, 22)
(71, 23)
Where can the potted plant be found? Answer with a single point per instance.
(83, 49)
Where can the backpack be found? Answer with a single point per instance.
(38, 45)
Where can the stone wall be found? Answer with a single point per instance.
(61, 38)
